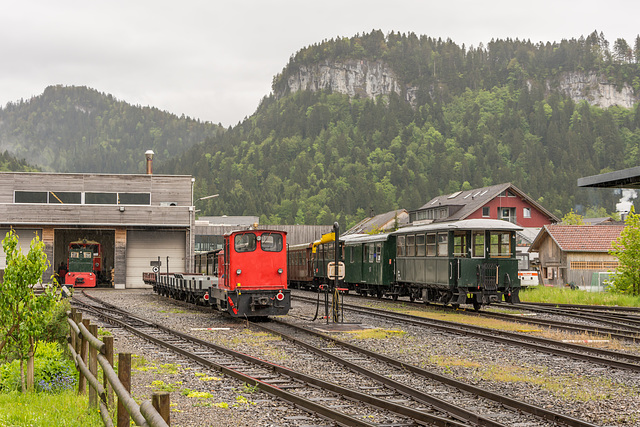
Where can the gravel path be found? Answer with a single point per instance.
(603, 396)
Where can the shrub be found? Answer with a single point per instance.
(54, 373)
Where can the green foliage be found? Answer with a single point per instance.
(54, 373)
(76, 129)
(572, 218)
(627, 250)
(569, 296)
(23, 314)
(44, 410)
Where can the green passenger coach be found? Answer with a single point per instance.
(369, 263)
(461, 262)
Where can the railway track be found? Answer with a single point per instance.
(386, 369)
(595, 324)
(593, 355)
(380, 405)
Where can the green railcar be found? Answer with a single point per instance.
(460, 262)
(369, 263)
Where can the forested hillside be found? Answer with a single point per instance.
(8, 163)
(77, 129)
(482, 116)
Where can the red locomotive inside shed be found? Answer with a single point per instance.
(84, 264)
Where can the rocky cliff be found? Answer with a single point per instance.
(353, 77)
(593, 88)
(370, 79)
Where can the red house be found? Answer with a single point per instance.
(502, 201)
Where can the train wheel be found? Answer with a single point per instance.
(379, 293)
(477, 302)
(394, 297)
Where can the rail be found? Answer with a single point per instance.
(88, 351)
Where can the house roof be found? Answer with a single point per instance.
(625, 178)
(579, 238)
(380, 222)
(470, 201)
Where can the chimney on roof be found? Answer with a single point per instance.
(149, 155)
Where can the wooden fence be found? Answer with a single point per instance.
(88, 351)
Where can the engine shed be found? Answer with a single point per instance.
(137, 219)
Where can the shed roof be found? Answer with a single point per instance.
(580, 238)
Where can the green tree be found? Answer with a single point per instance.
(627, 250)
(572, 218)
(23, 314)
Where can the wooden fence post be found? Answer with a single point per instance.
(93, 367)
(84, 354)
(78, 320)
(160, 401)
(124, 375)
(108, 354)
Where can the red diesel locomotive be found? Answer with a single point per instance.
(247, 278)
(84, 264)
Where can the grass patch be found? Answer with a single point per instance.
(572, 388)
(160, 385)
(567, 296)
(376, 334)
(39, 409)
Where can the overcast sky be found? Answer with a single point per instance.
(214, 60)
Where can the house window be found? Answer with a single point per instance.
(526, 212)
(507, 214)
(30, 197)
(485, 212)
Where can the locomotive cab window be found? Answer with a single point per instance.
(245, 242)
(500, 244)
(271, 242)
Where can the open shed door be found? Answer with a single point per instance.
(146, 246)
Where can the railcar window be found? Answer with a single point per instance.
(443, 244)
(245, 242)
(400, 246)
(460, 244)
(372, 252)
(420, 249)
(411, 245)
(431, 245)
(378, 252)
(351, 260)
(499, 244)
(477, 244)
(365, 253)
(271, 242)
